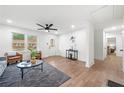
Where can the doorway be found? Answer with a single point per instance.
(111, 46)
(113, 43)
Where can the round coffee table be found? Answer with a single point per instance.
(25, 65)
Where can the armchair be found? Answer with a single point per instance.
(13, 57)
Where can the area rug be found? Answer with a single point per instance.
(114, 84)
(50, 77)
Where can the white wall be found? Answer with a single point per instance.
(91, 45)
(81, 43)
(84, 44)
(43, 38)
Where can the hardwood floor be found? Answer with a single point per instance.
(96, 76)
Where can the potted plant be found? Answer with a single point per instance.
(33, 55)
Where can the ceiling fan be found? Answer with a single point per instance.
(46, 27)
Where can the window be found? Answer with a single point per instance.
(18, 41)
(32, 42)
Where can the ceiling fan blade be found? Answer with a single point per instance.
(50, 25)
(40, 29)
(40, 25)
(52, 29)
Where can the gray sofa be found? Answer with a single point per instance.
(3, 65)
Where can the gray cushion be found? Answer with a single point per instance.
(2, 58)
(3, 65)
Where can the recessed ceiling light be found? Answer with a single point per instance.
(9, 21)
(72, 26)
(123, 31)
(122, 26)
(114, 28)
(46, 30)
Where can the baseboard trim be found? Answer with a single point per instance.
(90, 65)
(100, 60)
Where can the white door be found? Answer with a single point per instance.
(123, 52)
(104, 45)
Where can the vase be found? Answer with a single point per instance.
(33, 60)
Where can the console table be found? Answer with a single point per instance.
(72, 54)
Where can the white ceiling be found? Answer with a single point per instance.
(61, 16)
